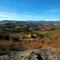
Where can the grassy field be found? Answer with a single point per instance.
(52, 32)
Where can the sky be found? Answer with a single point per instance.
(26, 10)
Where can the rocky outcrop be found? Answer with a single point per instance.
(34, 54)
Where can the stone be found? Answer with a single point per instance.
(33, 54)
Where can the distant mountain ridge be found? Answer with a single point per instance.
(21, 25)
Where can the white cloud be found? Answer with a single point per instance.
(14, 16)
(52, 10)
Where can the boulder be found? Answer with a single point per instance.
(33, 54)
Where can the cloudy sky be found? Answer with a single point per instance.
(30, 10)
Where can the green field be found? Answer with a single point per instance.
(51, 32)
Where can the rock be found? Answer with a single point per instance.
(39, 54)
(33, 54)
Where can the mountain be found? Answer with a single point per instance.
(7, 25)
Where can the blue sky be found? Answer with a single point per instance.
(30, 10)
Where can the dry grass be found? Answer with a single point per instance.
(52, 41)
